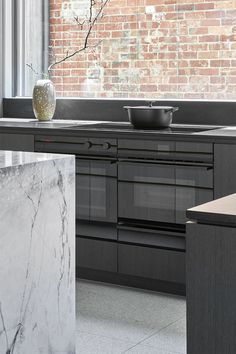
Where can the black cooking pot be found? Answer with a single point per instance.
(150, 117)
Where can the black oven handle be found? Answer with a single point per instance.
(97, 158)
(174, 231)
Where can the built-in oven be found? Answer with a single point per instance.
(161, 192)
(96, 181)
(157, 185)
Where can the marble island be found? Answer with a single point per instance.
(37, 246)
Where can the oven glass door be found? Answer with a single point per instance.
(146, 191)
(161, 192)
(194, 186)
(188, 197)
(96, 190)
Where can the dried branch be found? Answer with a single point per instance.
(35, 71)
(32, 68)
(91, 21)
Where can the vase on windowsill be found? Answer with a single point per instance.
(44, 100)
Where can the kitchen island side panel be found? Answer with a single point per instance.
(211, 289)
(37, 246)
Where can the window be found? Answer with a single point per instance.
(1, 60)
(161, 49)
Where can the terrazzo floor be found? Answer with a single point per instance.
(113, 319)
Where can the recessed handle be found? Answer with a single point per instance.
(88, 144)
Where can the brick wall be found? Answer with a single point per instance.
(149, 49)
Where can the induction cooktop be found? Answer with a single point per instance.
(125, 126)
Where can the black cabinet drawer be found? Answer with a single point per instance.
(96, 254)
(151, 145)
(144, 148)
(154, 263)
(16, 142)
(56, 147)
(97, 230)
(151, 238)
(74, 145)
(184, 146)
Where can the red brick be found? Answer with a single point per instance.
(186, 52)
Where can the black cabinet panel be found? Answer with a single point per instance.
(76, 145)
(144, 148)
(185, 146)
(224, 170)
(211, 289)
(17, 142)
(151, 145)
(96, 254)
(154, 263)
(154, 238)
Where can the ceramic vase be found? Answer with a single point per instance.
(44, 100)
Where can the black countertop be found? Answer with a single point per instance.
(207, 133)
(218, 212)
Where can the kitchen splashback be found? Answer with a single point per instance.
(190, 112)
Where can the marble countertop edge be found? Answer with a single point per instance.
(20, 158)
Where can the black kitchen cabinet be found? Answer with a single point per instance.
(155, 182)
(154, 263)
(96, 254)
(16, 142)
(224, 170)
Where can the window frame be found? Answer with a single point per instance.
(1, 59)
(12, 71)
(13, 45)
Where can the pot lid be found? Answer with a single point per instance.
(148, 107)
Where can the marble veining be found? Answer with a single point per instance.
(37, 246)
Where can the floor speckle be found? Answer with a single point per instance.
(113, 319)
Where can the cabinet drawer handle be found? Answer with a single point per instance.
(88, 144)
